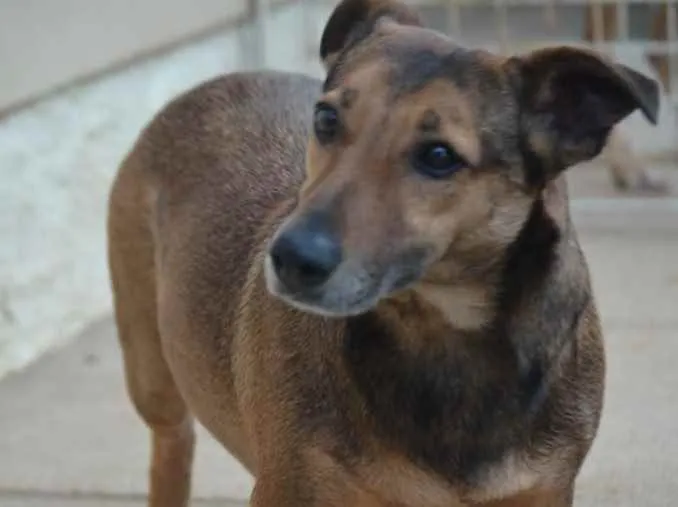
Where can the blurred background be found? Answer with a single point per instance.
(80, 78)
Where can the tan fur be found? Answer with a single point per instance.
(514, 475)
(451, 357)
(390, 482)
(538, 498)
(466, 308)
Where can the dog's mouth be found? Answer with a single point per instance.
(343, 294)
(353, 288)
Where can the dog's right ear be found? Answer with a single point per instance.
(354, 20)
(571, 98)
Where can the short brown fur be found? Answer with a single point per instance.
(354, 327)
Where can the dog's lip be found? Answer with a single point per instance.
(312, 303)
(310, 299)
(322, 311)
(408, 271)
(404, 281)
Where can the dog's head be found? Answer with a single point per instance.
(426, 158)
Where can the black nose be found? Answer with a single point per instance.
(306, 255)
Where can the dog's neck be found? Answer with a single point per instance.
(472, 304)
(529, 302)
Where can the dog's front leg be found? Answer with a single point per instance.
(278, 493)
(547, 498)
(317, 490)
(288, 487)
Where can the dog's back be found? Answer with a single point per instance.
(186, 218)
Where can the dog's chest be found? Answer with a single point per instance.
(454, 412)
(390, 480)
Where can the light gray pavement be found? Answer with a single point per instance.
(69, 438)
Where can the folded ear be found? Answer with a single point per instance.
(571, 98)
(354, 20)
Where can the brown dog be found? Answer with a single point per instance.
(370, 290)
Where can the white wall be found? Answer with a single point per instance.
(45, 44)
(57, 159)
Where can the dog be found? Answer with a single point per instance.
(369, 288)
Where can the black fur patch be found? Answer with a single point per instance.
(350, 25)
(414, 68)
(451, 408)
(342, 22)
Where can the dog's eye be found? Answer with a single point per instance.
(326, 122)
(437, 160)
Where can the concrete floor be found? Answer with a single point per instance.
(69, 438)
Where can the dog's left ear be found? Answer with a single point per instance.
(571, 98)
(354, 20)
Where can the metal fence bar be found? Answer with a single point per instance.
(623, 20)
(501, 17)
(672, 51)
(311, 35)
(252, 35)
(598, 24)
(454, 18)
